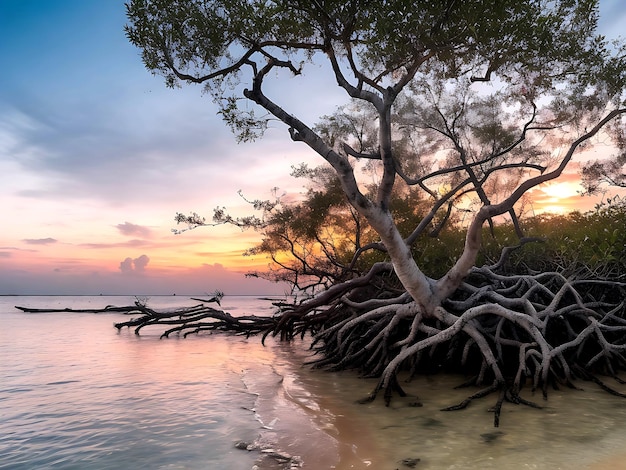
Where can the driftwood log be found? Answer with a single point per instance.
(504, 331)
(185, 320)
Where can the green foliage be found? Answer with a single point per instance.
(320, 240)
(244, 124)
(611, 172)
(311, 242)
(591, 244)
(438, 254)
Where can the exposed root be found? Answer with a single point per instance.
(543, 330)
(506, 394)
(480, 394)
(507, 332)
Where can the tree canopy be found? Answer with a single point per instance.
(466, 105)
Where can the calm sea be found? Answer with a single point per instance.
(76, 394)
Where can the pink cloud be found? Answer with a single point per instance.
(134, 230)
(137, 265)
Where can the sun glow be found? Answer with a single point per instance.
(562, 190)
(558, 198)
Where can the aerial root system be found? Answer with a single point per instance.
(507, 332)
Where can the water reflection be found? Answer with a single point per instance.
(76, 395)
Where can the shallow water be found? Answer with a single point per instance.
(75, 393)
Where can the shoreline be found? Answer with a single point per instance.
(576, 430)
(320, 429)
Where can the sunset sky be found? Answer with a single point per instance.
(97, 155)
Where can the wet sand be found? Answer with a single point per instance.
(617, 462)
(576, 430)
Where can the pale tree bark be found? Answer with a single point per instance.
(377, 214)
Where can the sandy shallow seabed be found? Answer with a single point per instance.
(576, 430)
(617, 462)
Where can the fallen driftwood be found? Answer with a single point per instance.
(196, 319)
(185, 320)
(107, 309)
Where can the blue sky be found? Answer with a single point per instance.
(97, 155)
